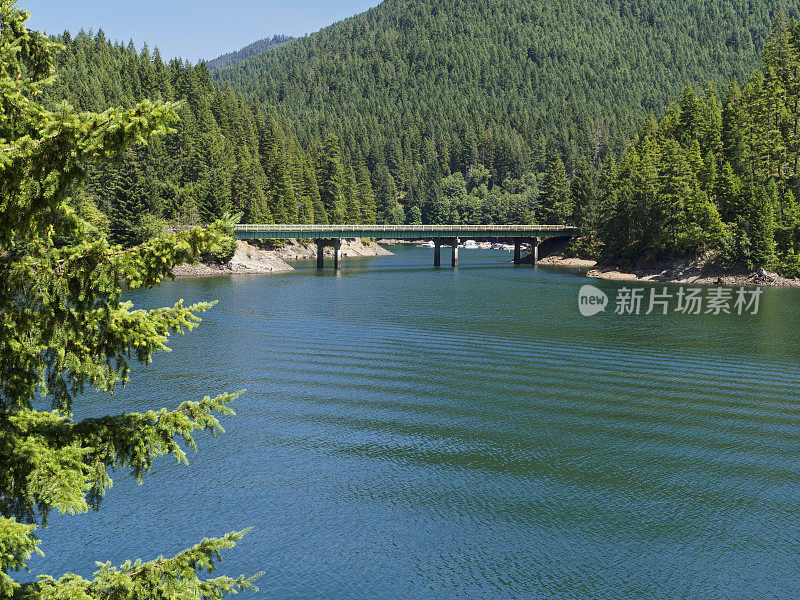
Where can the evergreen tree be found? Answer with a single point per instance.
(64, 328)
(414, 216)
(312, 192)
(587, 195)
(557, 204)
(283, 202)
(761, 227)
(385, 194)
(225, 154)
(502, 83)
(397, 216)
(352, 207)
(332, 180)
(366, 195)
(128, 202)
(728, 191)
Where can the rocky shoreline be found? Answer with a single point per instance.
(696, 271)
(251, 260)
(563, 261)
(350, 248)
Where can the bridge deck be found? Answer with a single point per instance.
(407, 232)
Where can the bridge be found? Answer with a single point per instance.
(441, 235)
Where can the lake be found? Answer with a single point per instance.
(411, 432)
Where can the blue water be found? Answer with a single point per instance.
(410, 432)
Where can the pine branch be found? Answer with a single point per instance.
(52, 462)
(176, 578)
(62, 326)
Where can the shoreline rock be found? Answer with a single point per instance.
(294, 250)
(248, 260)
(695, 271)
(251, 260)
(555, 260)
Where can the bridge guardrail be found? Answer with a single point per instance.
(404, 228)
(409, 232)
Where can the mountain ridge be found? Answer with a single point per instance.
(478, 78)
(256, 48)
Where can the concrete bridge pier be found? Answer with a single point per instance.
(336, 244)
(534, 253)
(437, 250)
(320, 254)
(337, 254)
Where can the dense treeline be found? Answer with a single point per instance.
(440, 87)
(717, 173)
(227, 154)
(254, 49)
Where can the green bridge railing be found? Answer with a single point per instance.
(405, 232)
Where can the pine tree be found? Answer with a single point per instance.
(690, 123)
(128, 202)
(676, 187)
(734, 118)
(366, 195)
(760, 225)
(385, 193)
(311, 191)
(557, 204)
(352, 206)
(283, 202)
(586, 193)
(64, 328)
(414, 216)
(331, 180)
(728, 190)
(710, 133)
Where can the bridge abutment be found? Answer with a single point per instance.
(437, 252)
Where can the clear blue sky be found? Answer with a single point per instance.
(191, 29)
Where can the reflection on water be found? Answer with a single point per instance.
(411, 432)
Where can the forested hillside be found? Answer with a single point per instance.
(718, 173)
(424, 86)
(254, 49)
(226, 154)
